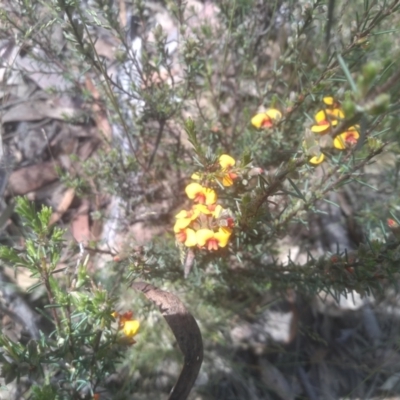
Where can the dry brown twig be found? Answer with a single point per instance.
(186, 332)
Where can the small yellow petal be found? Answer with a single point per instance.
(181, 214)
(323, 128)
(226, 230)
(191, 239)
(211, 196)
(317, 159)
(273, 113)
(258, 120)
(226, 161)
(223, 236)
(328, 100)
(217, 211)
(196, 176)
(320, 116)
(131, 327)
(181, 223)
(339, 142)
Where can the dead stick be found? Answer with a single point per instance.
(186, 332)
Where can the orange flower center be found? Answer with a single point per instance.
(267, 123)
(230, 221)
(212, 244)
(181, 236)
(127, 315)
(200, 198)
(350, 138)
(232, 175)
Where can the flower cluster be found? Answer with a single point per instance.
(207, 225)
(328, 118)
(225, 173)
(266, 119)
(127, 325)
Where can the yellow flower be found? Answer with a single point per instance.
(227, 162)
(128, 326)
(200, 194)
(317, 159)
(131, 328)
(346, 139)
(325, 119)
(266, 119)
(212, 240)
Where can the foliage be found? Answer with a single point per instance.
(85, 347)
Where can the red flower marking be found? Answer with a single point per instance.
(351, 138)
(181, 236)
(200, 198)
(267, 123)
(391, 223)
(212, 244)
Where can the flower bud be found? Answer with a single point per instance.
(370, 70)
(379, 105)
(349, 108)
(255, 171)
